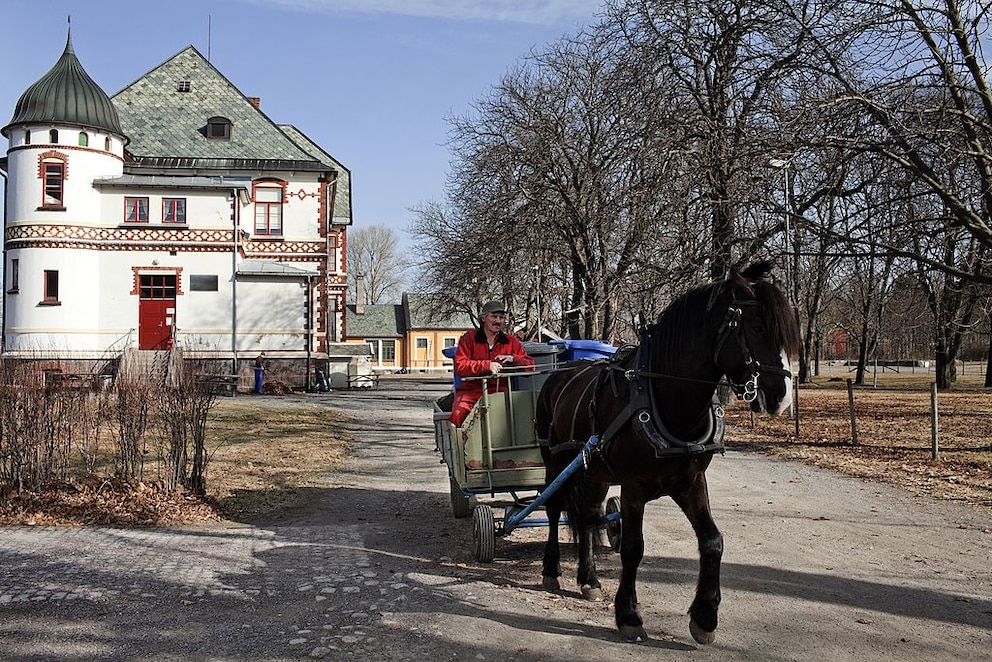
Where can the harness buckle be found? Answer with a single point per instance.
(629, 375)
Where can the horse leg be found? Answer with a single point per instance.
(589, 508)
(628, 618)
(551, 569)
(695, 503)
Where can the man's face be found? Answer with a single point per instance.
(493, 322)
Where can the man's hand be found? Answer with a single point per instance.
(505, 359)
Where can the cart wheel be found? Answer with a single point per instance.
(614, 528)
(484, 533)
(461, 505)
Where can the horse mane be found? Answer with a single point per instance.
(685, 318)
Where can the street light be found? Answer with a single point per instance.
(785, 165)
(537, 285)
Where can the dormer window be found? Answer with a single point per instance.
(184, 86)
(219, 128)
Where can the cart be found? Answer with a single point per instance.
(496, 452)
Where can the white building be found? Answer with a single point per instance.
(175, 213)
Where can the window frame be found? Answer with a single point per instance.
(84, 139)
(50, 291)
(53, 136)
(174, 204)
(14, 275)
(265, 229)
(52, 184)
(137, 199)
(225, 128)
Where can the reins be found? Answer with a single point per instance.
(731, 326)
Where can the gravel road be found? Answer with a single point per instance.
(817, 566)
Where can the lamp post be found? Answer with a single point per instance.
(789, 281)
(537, 286)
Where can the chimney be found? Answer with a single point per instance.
(256, 101)
(359, 294)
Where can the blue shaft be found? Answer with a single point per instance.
(514, 520)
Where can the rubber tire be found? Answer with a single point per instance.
(484, 533)
(614, 529)
(461, 505)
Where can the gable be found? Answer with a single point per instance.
(163, 121)
(376, 321)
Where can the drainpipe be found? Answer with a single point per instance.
(3, 282)
(235, 215)
(308, 331)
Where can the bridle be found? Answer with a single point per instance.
(731, 326)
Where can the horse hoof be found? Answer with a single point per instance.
(700, 635)
(550, 584)
(633, 633)
(592, 593)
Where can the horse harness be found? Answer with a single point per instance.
(647, 422)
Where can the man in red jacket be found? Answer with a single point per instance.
(485, 352)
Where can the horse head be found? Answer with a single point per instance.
(758, 339)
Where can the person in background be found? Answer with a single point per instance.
(485, 352)
(259, 372)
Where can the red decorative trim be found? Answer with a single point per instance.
(139, 271)
(156, 238)
(72, 148)
(52, 155)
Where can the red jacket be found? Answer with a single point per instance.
(473, 356)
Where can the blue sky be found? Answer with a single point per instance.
(371, 81)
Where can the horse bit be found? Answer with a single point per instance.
(747, 391)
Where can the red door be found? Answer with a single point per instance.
(156, 311)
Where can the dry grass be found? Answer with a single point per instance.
(263, 462)
(894, 434)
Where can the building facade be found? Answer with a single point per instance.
(175, 213)
(407, 336)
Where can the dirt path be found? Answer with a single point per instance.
(818, 566)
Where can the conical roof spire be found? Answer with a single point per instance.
(66, 95)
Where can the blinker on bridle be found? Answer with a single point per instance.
(731, 326)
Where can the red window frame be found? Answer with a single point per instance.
(135, 210)
(173, 210)
(54, 191)
(51, 285)
(268, 214)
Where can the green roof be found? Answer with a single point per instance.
(375, 321)
(165, 114)
(66, 95)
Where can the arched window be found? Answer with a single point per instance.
(27, 136)
(84, 139)
(106, 144)
(268, 196)
(219, 128)
(53, 136)
(53, 172)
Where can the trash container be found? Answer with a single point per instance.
(449, 353)
(573, 350)
(544, 355)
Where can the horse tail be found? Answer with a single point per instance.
(583, 513)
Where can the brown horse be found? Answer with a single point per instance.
(652, 410)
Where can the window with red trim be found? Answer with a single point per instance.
(54, 174)
(135, 210)
(268, 210)
(173, 210)
(51, 286)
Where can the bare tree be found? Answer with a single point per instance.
(374, 252)
(915, 73)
